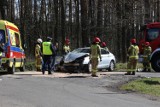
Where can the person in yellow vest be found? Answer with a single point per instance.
(38, 55)
(95, 55)
(146, 57)
(133, 52)
(47, 51)
(66, 47)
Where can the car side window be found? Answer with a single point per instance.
(104, 51)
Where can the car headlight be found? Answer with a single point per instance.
(86, 60)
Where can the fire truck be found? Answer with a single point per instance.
(151, 33)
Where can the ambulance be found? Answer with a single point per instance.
(13, 55)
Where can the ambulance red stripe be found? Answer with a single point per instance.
(12, 28)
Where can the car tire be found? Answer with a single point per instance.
(22, 69)
(155, 62)
(11, 70)
(87, 68)
(111, 66)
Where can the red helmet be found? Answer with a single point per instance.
(133, 41)
(147, 43)
(104, 44)
(97, 40)
(67, 41)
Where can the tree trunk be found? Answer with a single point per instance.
(84, 23)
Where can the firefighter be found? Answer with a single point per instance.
(66, 47)
(103, 45)
(146, 57)
(133, 51)
(55, 46)
(38, 55)
(95, 54)
(47, 50)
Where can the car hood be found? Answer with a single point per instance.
(73, 56)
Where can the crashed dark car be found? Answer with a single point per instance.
(78, 60)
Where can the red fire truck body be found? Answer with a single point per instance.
(151, 33)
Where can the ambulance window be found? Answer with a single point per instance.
(12, 38)
(17, 40)
(2, 36)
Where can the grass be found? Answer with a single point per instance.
(30, 66)
(150, 86)
(123, 66)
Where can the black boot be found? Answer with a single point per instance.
(149, 70)
(128, 73)
(144, 70)
(49, 73)
(133, 73)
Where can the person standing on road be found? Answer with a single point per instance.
(47, 50)
(55, 46)
(133, 51)
(66, 50)
(146, 57)
(95, 54)
(66, 47)
(38, 55)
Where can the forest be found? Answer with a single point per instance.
(113, 21)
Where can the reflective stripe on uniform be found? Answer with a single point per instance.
(136, 57)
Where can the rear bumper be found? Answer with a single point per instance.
(8, 62)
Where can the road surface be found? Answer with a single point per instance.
(31, 89)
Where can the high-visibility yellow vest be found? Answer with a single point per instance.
(47, 48)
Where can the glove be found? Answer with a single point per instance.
(100, 59)
(90, 61)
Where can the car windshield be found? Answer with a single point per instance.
(152, 34)
(81, 50)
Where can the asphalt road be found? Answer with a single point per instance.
(31, 89)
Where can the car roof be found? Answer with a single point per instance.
(84, 48)
(87, 48)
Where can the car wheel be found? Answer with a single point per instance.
(155, 62)
(11, 70)
(87, 68)
(23, 67)
(111, 66)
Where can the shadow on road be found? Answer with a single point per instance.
(75, 77)
(3, 73)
